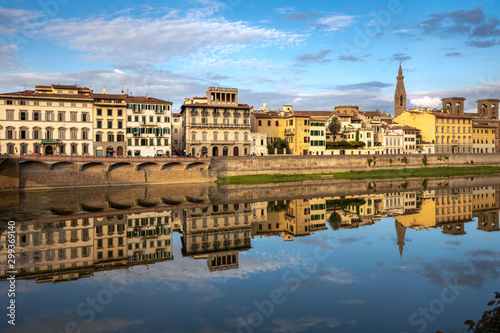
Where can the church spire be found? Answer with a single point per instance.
(400, 231)
(400, 94)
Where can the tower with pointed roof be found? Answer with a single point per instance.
(400, 94)
(400, 231)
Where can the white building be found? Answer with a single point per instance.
(259, 144)
(149, 126)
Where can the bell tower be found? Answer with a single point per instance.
(400, 94)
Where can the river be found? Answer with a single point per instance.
(387, 256)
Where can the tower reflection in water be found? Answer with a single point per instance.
(70, 247)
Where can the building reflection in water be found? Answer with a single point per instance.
(67, 248)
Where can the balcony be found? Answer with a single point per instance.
(216, 114)
(50, 141)
(246, 113)
(212, 125)
(193, 112)
(236, 114)
(290, 131)
(204, 112)
(226, 114)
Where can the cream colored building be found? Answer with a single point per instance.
(177, 134)
(216, 125)
(110, 124)
(52, 251)
(217, 234)
(149, 126)
(50, 120)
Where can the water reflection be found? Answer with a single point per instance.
(70, 247)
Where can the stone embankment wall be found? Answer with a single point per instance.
(240, 166)
(33, 172)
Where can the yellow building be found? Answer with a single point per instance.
(110, 124)
(271, 123)
(50, 120)
(297, 134)
(110, 239)
(483, 138)
(451, 133)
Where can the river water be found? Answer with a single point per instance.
(399, 259)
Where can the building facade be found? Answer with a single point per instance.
(216, 125)
(149, 126)
(50, 120)
(109, 124)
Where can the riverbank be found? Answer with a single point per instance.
(429, 172)
(53, 172)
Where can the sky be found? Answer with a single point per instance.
(313, 55)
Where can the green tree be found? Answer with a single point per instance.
(335, 220)
(334, 127)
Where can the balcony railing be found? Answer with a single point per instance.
(220, 125)
(50, 141)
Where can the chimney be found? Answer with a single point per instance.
(104, 90)
(147, 96)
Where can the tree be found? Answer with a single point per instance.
(334, 127)
(335, 220)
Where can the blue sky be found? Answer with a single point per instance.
(311, 54)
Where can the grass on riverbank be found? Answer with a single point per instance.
(370, 174)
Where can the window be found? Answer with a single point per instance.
(111, 137)
(62, 133)
(36, 134)
(120, 113)
(268, 123)
(8, 102)
(110, 124)
(120, 124)
(73, 134)
(10, 114)
(99, 124)
(61, 103)
(85, 134)
(60, 116)
(23, 115)
(98, 137)
(85, 117)
(260, 122)
(99, 112)
(110, 112)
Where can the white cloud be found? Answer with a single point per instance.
(335, 22)
(158, 39)
(8, 58)
(426, 101)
